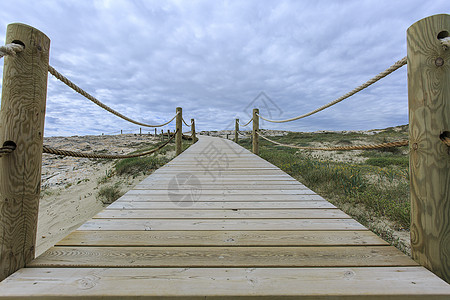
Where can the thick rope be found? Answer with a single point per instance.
(446, 140)
(49, 150)
(361, 147)
(445, 42)
(383, 74)
(5, 150)
(10, 49)
(251, 120)
(93, 99)
(185, 123)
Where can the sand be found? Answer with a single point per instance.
(70, 185)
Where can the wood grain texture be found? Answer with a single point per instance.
(224, 241)
(22, 115)
(255, 137)
(221, 205)
(321, 213)
(399, 283)
(429, 116)
(111, 257)
(179, 129)
(140, 195)
(221, 224)
(221, 238)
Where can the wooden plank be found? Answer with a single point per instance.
(142, 257)
(400, 283)
(122, 204)
(221, 238)
(218, 224)
(277, 192)
(142, 196)
(222, 187)
(222, 214)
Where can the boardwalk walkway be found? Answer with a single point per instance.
(218, 221)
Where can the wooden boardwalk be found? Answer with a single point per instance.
(218, 221)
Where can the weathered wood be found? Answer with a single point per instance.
(429, 117)
(243, 193)
(147, 229)
(332, 256)
(236, 131)
(222, 238)
(225, 187)
(179, 129)
(221, 205)
(255, 138)
(194, 135)
(223, 214)
(219, 224)
(399, 283)
(145, 196)
(22, 117)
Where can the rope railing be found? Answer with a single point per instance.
(251, 120)
(381, 75)
(49, 150)
(96, 101)
(446, 140)
(185, 123)
(7, 149)
(10, 49)
(360, 147)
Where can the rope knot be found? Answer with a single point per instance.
(10, 49)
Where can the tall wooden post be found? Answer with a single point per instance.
(236, 131)
(155, 132)
(162, 135)
(179, 128)
(429, 117)
(194, 136)
(22, 117)
(140, 131)
(255, 141)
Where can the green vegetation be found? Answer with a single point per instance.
(379, 183)
(109, 194)
(136, 165)
(133, 167)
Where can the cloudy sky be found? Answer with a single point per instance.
(213, 58)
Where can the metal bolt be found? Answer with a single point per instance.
(439, 62)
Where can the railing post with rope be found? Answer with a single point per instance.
(22, 117)
(255, 141)
(179, 131)
(429, 120)
(236, 131)
(193, 134)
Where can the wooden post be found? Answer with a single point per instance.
(140, 131)
(162, 135)
(429, 118)
(179, 127)
(194, 136)
(155, 132)
(236, 131)
(22, 117)
(121, 132)
(255, 141)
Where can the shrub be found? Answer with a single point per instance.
(109, 194)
